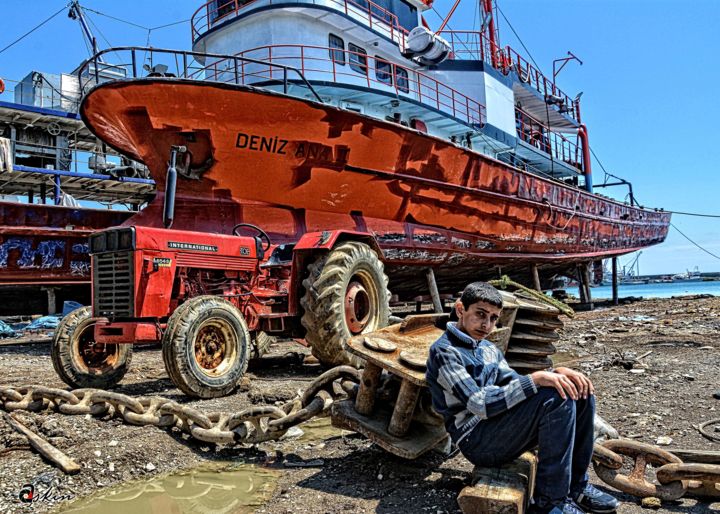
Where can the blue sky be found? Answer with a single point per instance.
(649, 80)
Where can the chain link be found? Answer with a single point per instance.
(248, 426)
(675, 477)
(635, 483)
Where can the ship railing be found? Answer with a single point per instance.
(529, 74)
(339, 67)
(43, 94)
(476, 46)
(537, 134)
(471, 45)
(139, 62)
(366, 12)
(71, 159)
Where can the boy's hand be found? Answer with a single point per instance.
(582, 383)
(564, 385)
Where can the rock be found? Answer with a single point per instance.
(651, 503)
(97, 453)
(292, 433)
(150, 466)
(111, 466)
(637, 371)
(689, 378)
(664, 440)
(113, 443)
(716, 395)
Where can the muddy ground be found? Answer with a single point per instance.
(672, 394)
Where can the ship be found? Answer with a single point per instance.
(454, 152)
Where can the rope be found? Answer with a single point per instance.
(504, 282)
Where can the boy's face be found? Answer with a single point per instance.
(478, 320)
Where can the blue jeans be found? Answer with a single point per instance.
(562, 430)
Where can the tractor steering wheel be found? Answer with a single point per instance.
(260, 232)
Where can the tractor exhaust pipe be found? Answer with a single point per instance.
(170, 186)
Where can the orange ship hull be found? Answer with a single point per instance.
(294, 166)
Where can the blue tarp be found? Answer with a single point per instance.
(5, 330)
(44, 323)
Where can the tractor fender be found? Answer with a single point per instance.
(327, 239)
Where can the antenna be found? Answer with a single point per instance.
(75, 12)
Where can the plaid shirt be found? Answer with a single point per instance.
(470, 381)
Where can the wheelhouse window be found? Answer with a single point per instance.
(223, 8)
(357, 59)
(337, 49)
(401, 79)
(383, 71)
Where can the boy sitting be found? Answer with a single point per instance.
(493, 414)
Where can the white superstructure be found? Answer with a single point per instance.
(382, 61)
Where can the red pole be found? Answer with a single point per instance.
(447, 18)
(488, 8)
(587, 167)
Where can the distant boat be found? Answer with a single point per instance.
(688, 276)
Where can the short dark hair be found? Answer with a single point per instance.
(481, 292)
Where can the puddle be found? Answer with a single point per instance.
(319, 429)
(217, 489)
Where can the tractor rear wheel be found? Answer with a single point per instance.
(346, 294)
(79, 361)
(206, 347)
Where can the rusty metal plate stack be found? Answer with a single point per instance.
(534, 331)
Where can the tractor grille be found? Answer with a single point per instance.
(113, 285)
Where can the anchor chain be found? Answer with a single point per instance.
(248, 426)
(675, 478)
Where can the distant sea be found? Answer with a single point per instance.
(656, 290)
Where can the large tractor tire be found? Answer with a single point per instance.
(206, 347)
(79, 361)
(346, 294)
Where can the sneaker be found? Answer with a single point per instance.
(567, 507)
(594, 500)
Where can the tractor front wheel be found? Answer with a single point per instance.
(206, 347)
(80, 361)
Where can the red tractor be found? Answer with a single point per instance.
(216, 300)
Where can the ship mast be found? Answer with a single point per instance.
(75, 13)
(488, 25)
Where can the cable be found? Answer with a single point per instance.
(695, 214)
(693, 242)
(517, 36)
(32, 30)
(114, 18)
(170, 24)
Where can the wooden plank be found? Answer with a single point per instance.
(502, 490)
(420, 438)
(43, 447)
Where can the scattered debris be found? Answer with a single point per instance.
(651, 503)
(314, 463)
(664, 440)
